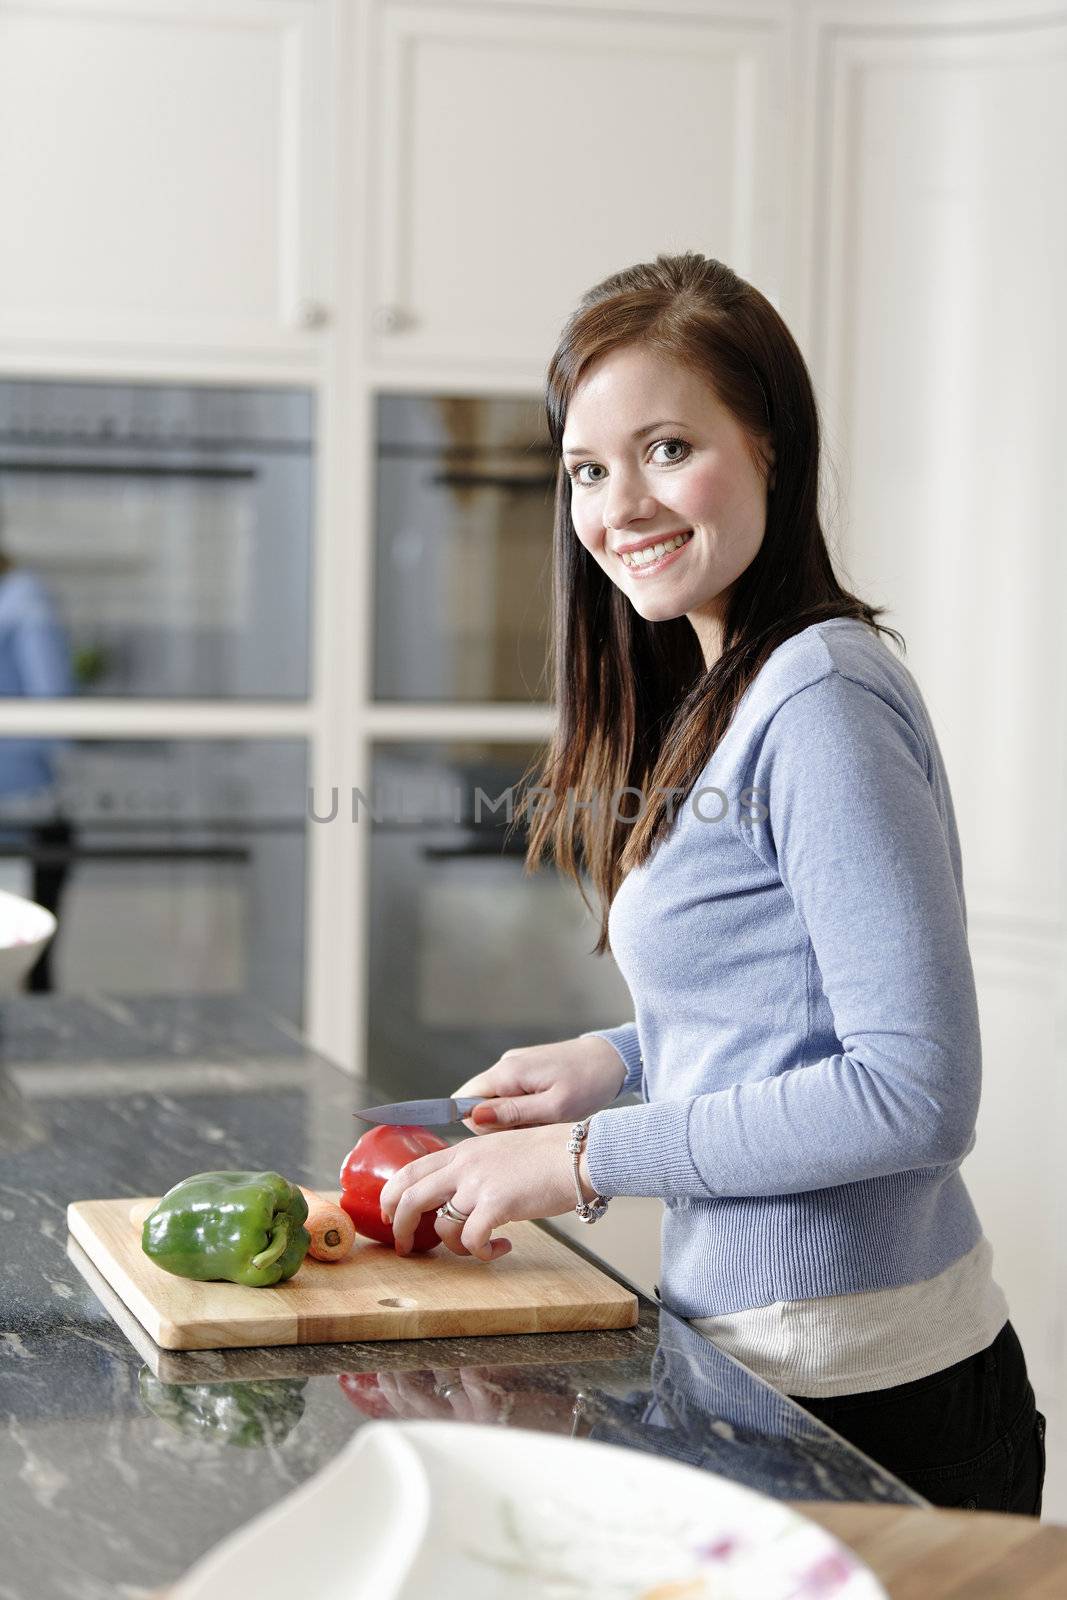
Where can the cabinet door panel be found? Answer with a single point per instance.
(525, 156)
(160, 172)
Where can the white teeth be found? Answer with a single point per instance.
(642, 558)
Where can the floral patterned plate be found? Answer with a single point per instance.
(459, 1511)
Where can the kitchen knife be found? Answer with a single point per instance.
(421, 1113)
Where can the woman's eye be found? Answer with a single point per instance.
(669, 444)
(680, 446)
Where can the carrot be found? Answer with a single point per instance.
(331, 1230)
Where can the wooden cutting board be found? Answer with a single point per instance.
(541, 1286)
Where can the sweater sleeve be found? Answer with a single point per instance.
(854, 832)
(626, 1042)
(39, 645)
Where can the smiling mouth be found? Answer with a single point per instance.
(654, 554)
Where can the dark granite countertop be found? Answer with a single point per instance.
(122, 1462)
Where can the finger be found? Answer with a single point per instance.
(487, 1084)
(449, 1231)
(404, 1177)
(365, 1393)
(514, 1111)
(460, 1402)
(486, 1125)
(486, 1399)
(457, 1397)
(417, 1397)
(388, 1391)
(507, 1077)
(484, 1118)
(413, 1172)
(481, 1083)
(476, 1235)
(416, 1199)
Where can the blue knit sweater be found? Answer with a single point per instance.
(806, 1038)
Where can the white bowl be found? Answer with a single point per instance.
(25, 929)
(461, 1511)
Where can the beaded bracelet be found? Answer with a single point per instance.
(588, 1210)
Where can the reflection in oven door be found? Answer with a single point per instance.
(173, 926)
(508, 952)
(467, 956)
(172, 867)
(168, 531)
(463, 528)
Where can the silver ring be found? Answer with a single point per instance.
(445, 1391)
(448, 1210)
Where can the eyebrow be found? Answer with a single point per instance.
(650, 427)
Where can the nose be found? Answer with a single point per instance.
(626, 504)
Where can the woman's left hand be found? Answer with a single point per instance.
(498, 1178)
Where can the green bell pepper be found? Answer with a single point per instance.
(251, 1415)
(244, 1227)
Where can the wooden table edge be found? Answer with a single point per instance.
(942, 1554)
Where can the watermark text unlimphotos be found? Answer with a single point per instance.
(429, 802)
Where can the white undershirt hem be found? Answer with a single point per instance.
(875, 1339)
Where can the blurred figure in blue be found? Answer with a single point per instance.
(34, 660)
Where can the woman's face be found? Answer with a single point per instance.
(653, 453)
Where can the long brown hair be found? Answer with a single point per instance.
(637, 708)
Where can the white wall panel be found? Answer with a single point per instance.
(937, 243)
(941, 352)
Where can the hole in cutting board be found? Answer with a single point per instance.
(400, 1303)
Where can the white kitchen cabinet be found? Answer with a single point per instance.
(522, 153)
(164, 177)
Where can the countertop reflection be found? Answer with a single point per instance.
(123, 1462)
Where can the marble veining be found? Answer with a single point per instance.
(121, 1462)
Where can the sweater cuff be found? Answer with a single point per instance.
(644, 1150)
(628, 1045)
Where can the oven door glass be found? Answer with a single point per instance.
(468, 957)
(154, 542)
(463, 531)
(172, 866)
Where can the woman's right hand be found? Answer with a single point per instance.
(541, 1083)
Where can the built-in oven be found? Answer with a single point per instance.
(463, 551)
(169, 529)
(155, 543)
(470, 956)
(175, 866)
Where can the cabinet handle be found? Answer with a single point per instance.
(513, 482)
(312, 314)
(392, 319)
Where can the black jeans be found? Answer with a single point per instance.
(51, 844)
(970, 1436)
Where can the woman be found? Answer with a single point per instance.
(751, 781)
(34, 660)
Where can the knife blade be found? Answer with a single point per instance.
(421, 1113)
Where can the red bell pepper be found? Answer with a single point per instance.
(365, 1394)
(368, 1166)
